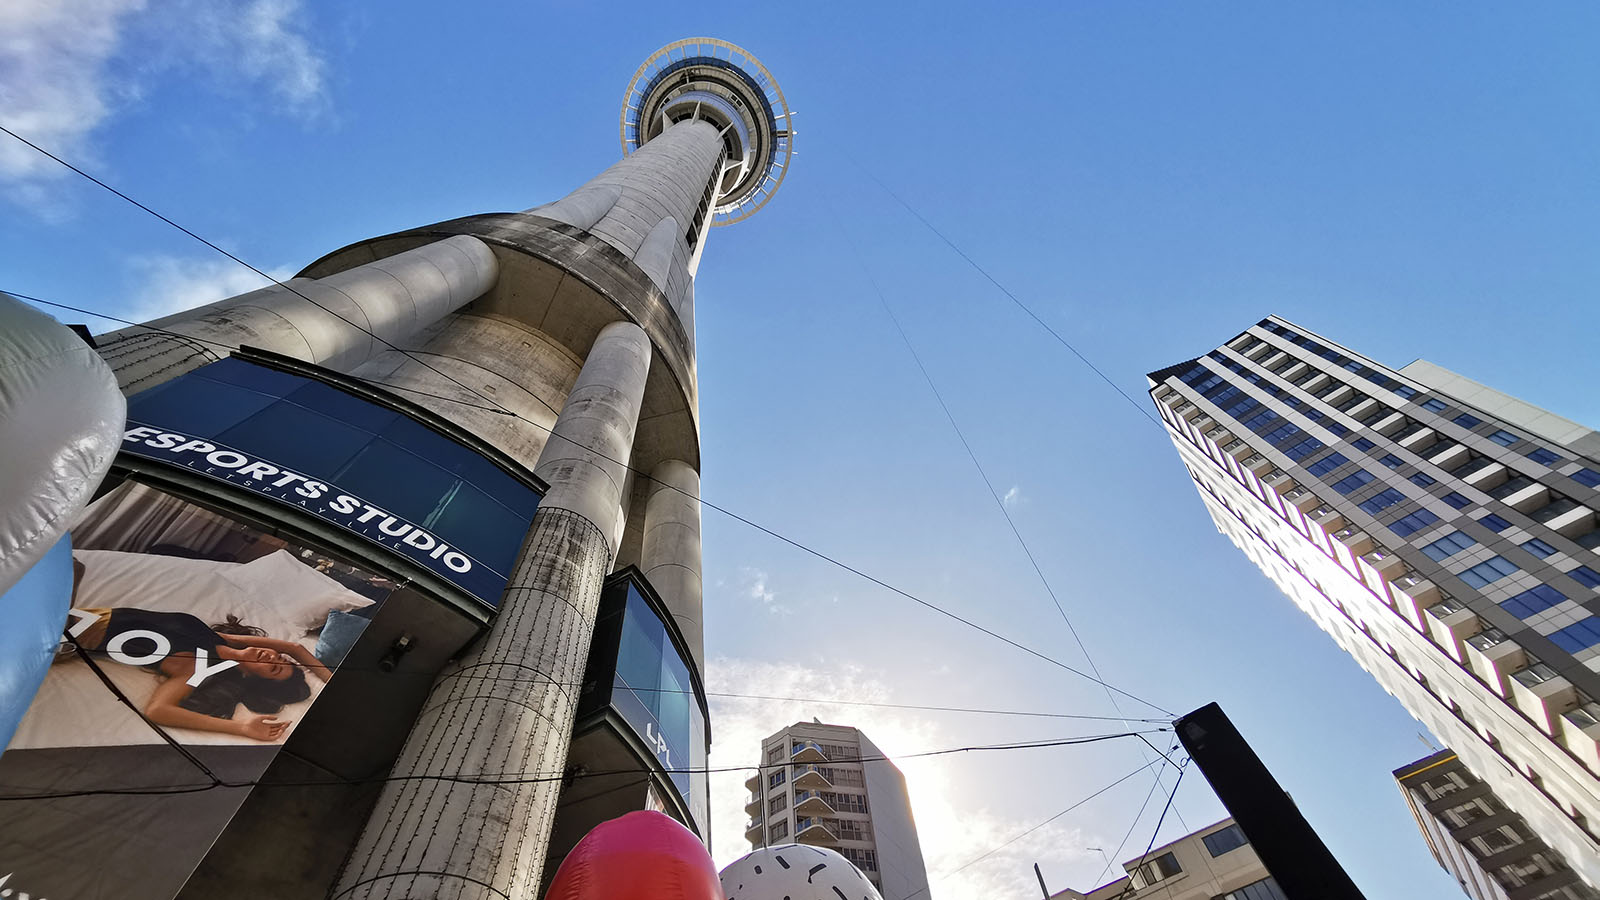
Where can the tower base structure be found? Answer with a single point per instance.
(448, 480)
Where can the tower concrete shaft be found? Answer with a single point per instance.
(562, 337)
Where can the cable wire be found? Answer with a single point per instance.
(723, 510)
(1157, 833)
(1014, 299)
(1019, 836)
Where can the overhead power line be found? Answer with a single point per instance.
(538, 777)
(1157, 833)
(1020, 835)
(1013, 297)
(718, 508)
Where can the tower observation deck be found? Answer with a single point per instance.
(558, 344)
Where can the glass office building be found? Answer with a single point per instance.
(1443, 533)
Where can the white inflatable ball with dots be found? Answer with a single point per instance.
(795, 872)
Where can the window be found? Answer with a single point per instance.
(1265, 889)
(1487, 638)
(1494, 523)
(1456, 500)
(1538, 673)
(1539, 548)
(1504, 438)
(1586, 477)
(1364, 445)
(1466, 420)
(1578, 636)
(1327, 464)
(1157, 870)
(1434, 404)
(780, 830)
(1408, 525)
(1382, 501)
(1406, 392)
(1542, 456)
(1303, 449)
(1392, 461)
(1353, 482)
(1488, 572)
(1533, 601)
(1586, 576)
(1220, 842)
(1448, 546)
(775, 779)
(778, 803)
(1421, 480)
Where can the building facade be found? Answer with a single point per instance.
(444, 486)
(1214, 863)
(829, 785)
(1486, 847)
(1443, 533)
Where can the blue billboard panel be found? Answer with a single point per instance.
(365, 467)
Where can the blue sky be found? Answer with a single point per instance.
(1414, 180)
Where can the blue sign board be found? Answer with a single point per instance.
(362, 466)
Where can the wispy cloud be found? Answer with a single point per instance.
(169, 284)
(68, 66)
(756, 588)
(1012, 497)
(951, 830)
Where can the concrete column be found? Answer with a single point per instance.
(469, 813)
(670, 558)
(389, 298)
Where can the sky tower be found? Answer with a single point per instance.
(490, 426)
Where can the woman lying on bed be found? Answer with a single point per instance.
(207, 670)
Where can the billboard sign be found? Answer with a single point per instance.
(187, 628)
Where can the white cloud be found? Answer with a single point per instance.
(1012, 497)
(169, 284)
(951, 830)
(68, 66)
(756, 588)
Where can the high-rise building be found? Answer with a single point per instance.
(395, 585)
(1214, 863)
(829, 785)
(1486, 847)
(1443, 533)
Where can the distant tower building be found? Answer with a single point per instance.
(466, 455)
(1488, 848)
(1216, 863)
(831, 786)
(1442, 532)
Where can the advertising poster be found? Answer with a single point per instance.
(186, 628)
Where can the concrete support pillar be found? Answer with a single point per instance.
(390, 298)
(670, 558)
(468, 814)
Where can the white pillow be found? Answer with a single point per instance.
(113, 578)
(287, 591)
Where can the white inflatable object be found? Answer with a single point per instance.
(795, 872)
(61, 421)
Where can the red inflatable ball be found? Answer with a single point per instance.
(643, 855)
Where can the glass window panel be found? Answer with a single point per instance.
(1494, 523)
(1381, 501)
(1587, 477)
(472, 518)
(1578, 636)
(347, 408)
(1542, 456)
(233, 370)
(401, 482)
(197, 406)
(278, 433)
(1504, 438)
(1488, 572)
(1456, 500)
(1413, 523)
(1586, 576)
(1434, 404)
(1467, 420)
(1539, 548)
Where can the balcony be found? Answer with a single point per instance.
(752, 830)
(806, 752)
(1386, 564)
(1493, 657)
(754, 782)
(1450, 624)
(1543, 695)
(1390, 424)
(810, 778)
(812, 831)
(753, 804)
(1419, 440)
(1525, 499)
(1580, 731)
(1359, 542)
(810, 803)
(1485, 477)
(1575, 522)
(1413, 595)
(1450, 457)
